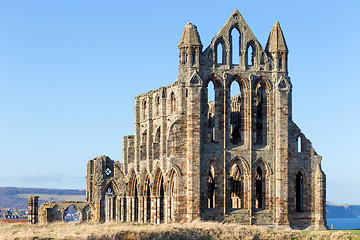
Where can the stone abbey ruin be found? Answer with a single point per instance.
(235, 158)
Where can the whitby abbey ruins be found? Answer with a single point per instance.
(235, 158)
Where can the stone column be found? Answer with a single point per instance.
(319, 219)
(128, 209)
(122, 209)
(168, 210)
(157, 210)
(107, 208)
(141, 209)
(133, 209)
(192, 197)
(117, 208)
(33, 206)
(153, 210)
(281, 156)
(145, 209)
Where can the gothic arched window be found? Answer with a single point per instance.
(299, 192)
(235, 45)
(250, 53)
(259, 188)
(211, 188)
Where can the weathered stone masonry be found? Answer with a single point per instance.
(238, 158)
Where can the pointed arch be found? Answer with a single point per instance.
(195, 79)
(301, 179)
(299, 189)
(238, 104)
(211, 110)
(241, 162)
(156, 143)
(172, 193)
(251, 52)
(260, 110)
(143, 145)
(172, 102)
(236, 187)
(212, 181)
(113, 186)
(266, 166)
(213, 161)
(144, 108)
(264, 82)
(300, 143)
(159, 191)
(220, 42)
(260, 177)
(235, 44)
(143, 176)
(158, 178)
(157, 105)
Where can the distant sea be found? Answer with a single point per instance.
(344, 223)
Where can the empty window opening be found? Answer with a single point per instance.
(250, 56)
(148, 202)
(109, 206)
(136, 202)
(236, 113)
(143, 110)
(186, 58)
(211, 112)
(262, 59)
(125, 207)
(156, 144)
(172, 197)
(235, 45)
(71, 215)
(211, 92)
(172, 102)
(236, 188)
(157, 105)
(259, 188)
(162, 202)
(280, 61)
(211, 188)
(259, 115)
(220, 54)
(193, 60)
(143, 150)
(299, 144)
(299, 192)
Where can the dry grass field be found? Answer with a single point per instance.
(194, 230)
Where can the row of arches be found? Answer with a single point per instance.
(239, 184)
(143, 200)
(236, 105)
(172, 103)
(229, 52)
(67, 211)
(172, 141)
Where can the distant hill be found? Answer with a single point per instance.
(12, 197)
(334, 210)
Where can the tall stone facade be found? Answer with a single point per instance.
(237, 158)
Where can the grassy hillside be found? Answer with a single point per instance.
(194, 230)
(12, 197)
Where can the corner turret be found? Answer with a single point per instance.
(190, 47)
(276, 47)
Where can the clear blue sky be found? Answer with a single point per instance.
(69, 71)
